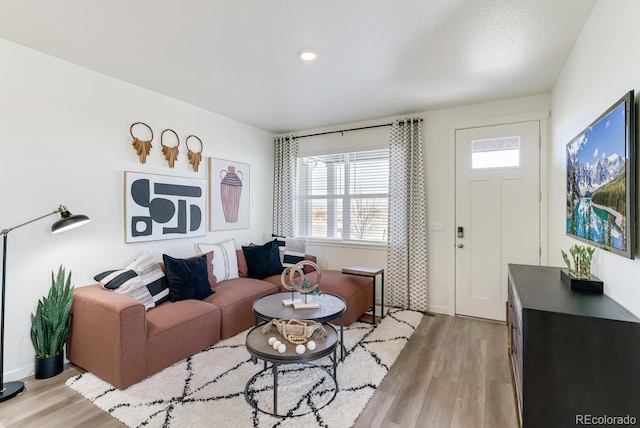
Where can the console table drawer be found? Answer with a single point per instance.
(514, 331)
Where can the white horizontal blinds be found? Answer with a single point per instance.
(344, 195)
(326, 174)
(368, 195)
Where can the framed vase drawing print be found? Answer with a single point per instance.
(229, 194)
(163, 207)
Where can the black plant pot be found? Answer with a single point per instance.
(49, 366)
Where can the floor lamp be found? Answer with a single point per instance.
(67, 221)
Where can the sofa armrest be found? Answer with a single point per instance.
(309, 269)
(108, 335)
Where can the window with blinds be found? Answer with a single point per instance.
(343, 196)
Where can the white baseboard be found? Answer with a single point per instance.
(19, 374)
(446, 310)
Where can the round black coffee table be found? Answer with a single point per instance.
(258, 346)
(330, 307)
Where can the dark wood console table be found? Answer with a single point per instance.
(574, 356)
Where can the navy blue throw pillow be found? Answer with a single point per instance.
(263, 260)
(187, 278)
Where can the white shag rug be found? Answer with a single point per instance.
(207, 389)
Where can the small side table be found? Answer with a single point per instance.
(258, 347)
(370, 272)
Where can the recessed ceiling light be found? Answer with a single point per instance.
(307, 54)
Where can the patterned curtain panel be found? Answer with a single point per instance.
(406, 284)
(284, 185)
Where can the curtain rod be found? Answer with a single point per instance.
(350, 129)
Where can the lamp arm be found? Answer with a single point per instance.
(6, 231)
(11, 389)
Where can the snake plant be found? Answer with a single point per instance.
(51, 322)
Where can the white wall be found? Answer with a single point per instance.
(603, 66)
(439, 154)
(64, 139)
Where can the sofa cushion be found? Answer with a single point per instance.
(357, 291)
(212, 277)
(235, 299)
(128, 283)
(243, 270)
(176, 330)
(225, 262)
(262, 260)
(187, 278)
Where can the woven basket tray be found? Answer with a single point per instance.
(296, 331)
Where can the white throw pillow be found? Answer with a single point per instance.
(225, 261)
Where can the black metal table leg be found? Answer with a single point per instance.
(343, 349)
(381, 294)
(335, 369)
(275, 389)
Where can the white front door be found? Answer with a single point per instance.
(497, 212)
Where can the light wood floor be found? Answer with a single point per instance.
(454, 372)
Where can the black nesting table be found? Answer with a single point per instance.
(331, 307)
(258, 346)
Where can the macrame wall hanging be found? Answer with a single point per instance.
(170, 152)
(194, 157)
(143, 147)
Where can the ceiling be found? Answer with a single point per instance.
(376, 58)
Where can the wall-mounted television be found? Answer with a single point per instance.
(601, 181)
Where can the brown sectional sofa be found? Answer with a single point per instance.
(113, 336)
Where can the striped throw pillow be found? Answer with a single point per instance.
(152, 276)
(294, 251)
(225, 260)
(128, 283)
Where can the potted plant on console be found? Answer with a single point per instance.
(579, 276)
(50, 326)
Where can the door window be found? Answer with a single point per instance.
(495, 153)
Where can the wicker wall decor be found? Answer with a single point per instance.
(194, 157)
(170, 152)
(143, 147)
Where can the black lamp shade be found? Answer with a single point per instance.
(68, 221)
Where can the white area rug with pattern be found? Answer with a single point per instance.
(208, 388)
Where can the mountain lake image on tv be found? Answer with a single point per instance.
(600, 183)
